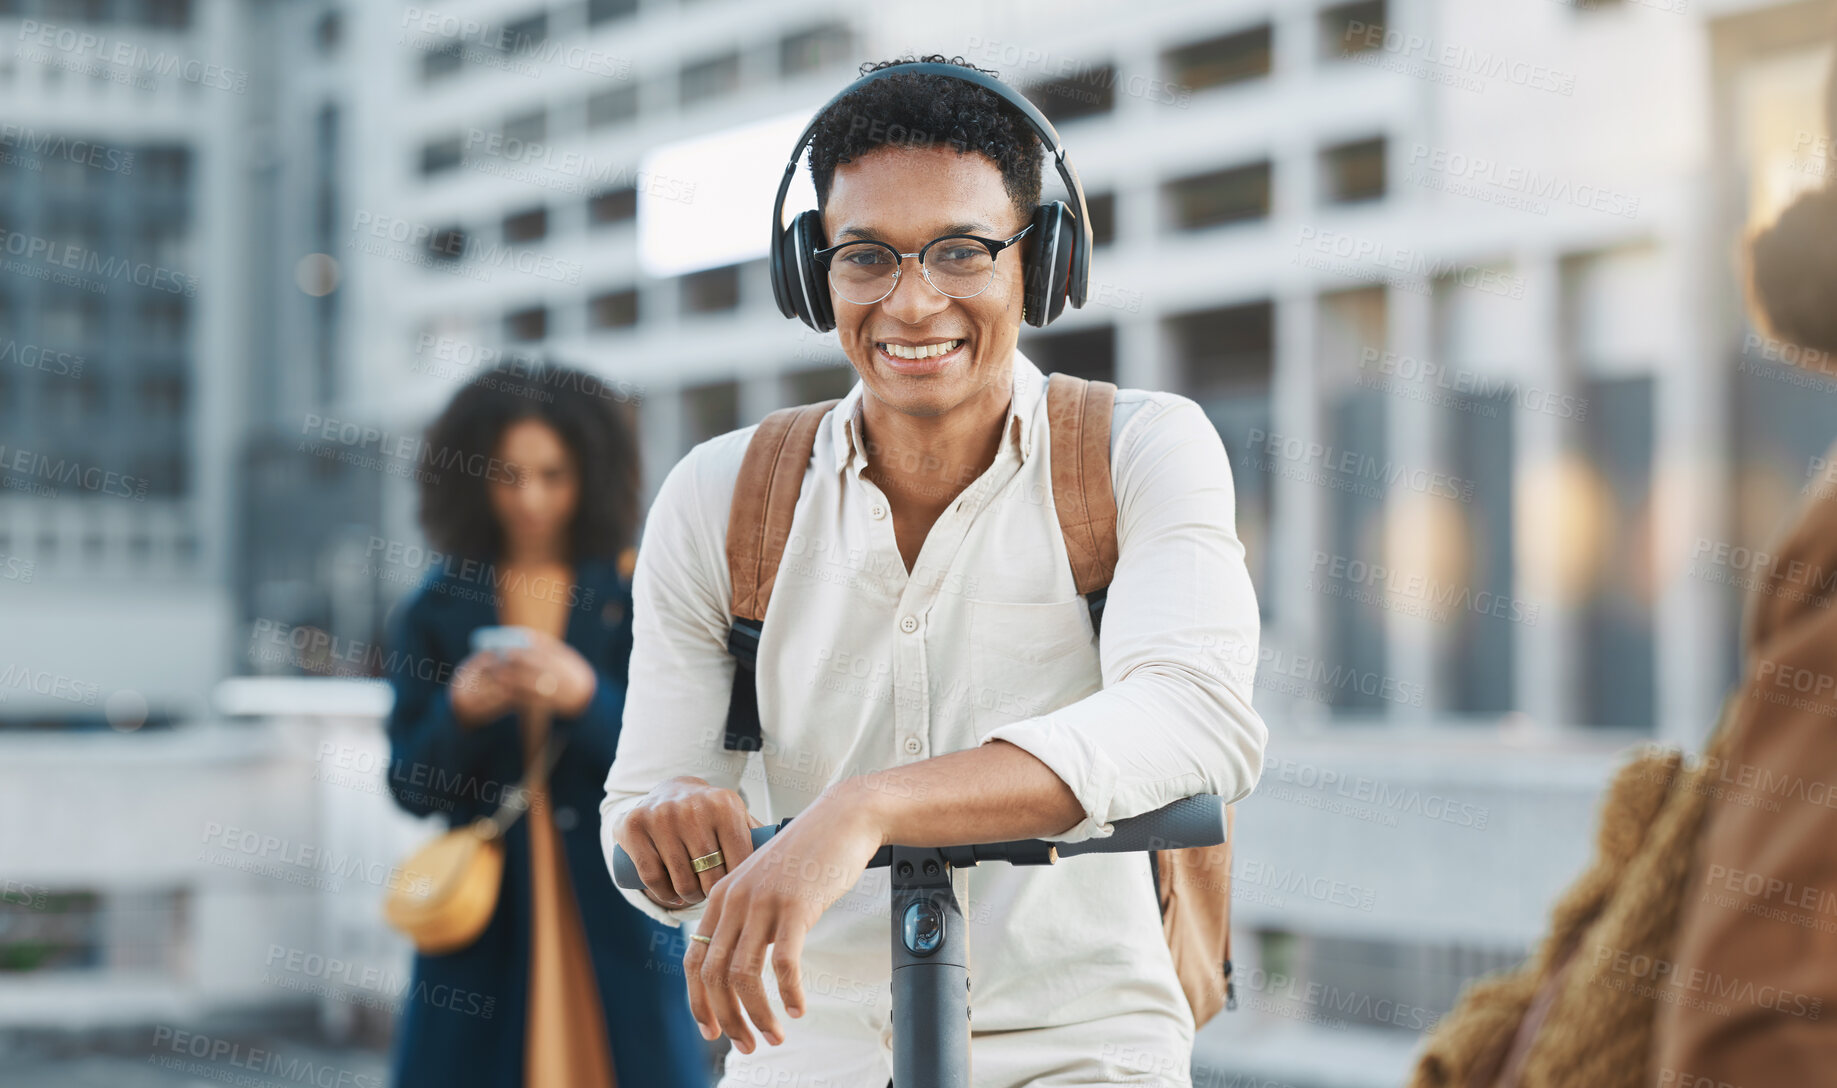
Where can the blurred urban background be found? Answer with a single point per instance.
(1458, 283)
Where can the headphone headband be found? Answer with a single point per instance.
(1031, 113)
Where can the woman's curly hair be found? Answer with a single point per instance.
(594, 419)
(924, 111)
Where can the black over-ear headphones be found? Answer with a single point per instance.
(1058, 269)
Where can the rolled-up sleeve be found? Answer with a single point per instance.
(681, 672)
(1178, 641)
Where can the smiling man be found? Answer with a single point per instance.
(929, 676)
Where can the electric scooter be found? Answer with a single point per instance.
(930, 984)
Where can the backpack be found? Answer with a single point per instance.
(1193, 885)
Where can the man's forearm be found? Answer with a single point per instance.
(992, 793)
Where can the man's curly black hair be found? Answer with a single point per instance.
(928, 111)
(597, 427)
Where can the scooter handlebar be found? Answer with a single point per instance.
(1187, 823)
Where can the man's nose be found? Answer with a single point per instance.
(913, 299)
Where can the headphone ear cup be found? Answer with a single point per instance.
(1048, 270)
(808, 279)
(782, 254)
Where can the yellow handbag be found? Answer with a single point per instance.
(448, 889)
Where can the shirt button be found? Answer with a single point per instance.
(879, 511)
(908, 625)
(912, 746)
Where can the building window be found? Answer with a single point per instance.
(820, 383)
(1617, 651)
(439, 156)
(1353, 172)
(527, 226)
(165, 165)
(524, 35)
(613, 309)
(605, 11)
(166, 14)
(1350, 29)
(712, 290)
(1220, 196)
(437, 64)
(712, 77)
(1086, 94)
(612, 106)
(527, 324)
(447, 244)
(809, 50)
(613, 206)
(1224, 360)
(328, 33)
(710, 411)
(1220, 61)
(526, 128)
(1085, 353)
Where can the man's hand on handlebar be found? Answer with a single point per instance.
(680, 820)
(772, 900)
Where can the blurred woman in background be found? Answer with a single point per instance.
(529, 493)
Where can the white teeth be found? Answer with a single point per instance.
(925, 351)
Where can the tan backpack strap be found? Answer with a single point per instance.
(765, 497)
(1078, 416)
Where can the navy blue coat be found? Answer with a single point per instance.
(463, 1016)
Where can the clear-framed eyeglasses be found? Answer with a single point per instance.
(955, 265)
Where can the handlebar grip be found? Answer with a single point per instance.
(625, 874)
(1188, 822)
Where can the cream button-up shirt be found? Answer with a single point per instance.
(864, 666)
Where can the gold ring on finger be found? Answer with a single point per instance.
(699, 937)
(707, 862)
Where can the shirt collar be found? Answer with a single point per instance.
(1023, 405)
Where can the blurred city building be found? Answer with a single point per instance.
(1458, 284)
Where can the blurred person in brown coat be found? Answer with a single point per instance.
(1699, 949)
(1763, 904)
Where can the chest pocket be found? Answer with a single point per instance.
(1028, 659)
